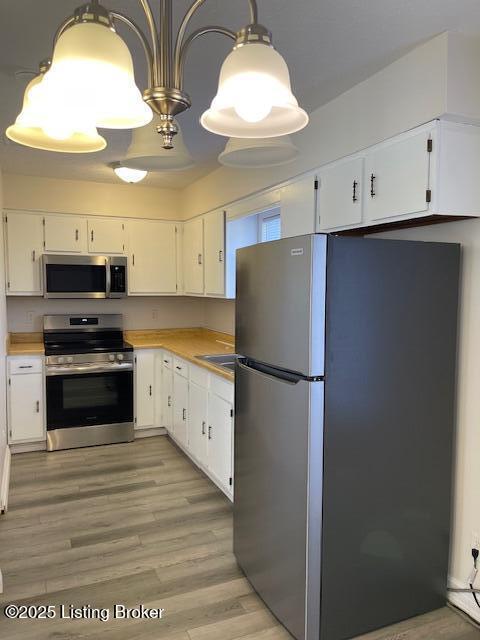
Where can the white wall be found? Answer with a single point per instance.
(3, 337)
(219, 315)
(25, 314)
(467, 469)
(74, 196)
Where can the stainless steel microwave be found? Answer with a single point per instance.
(84, 276)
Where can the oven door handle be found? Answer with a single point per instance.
(93, 368)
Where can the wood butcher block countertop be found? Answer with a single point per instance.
(25, 344)
(187, 344)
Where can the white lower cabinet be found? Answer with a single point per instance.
(193, 405)
(26, 405)
(180, 408)
(197, 426)
(144, 389)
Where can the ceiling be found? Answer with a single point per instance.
(330, 45)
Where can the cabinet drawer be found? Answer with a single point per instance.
(222, 388)
(199, 376)
(167, 360)
(25, 365)
(180, 366)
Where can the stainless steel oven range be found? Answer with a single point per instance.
(89, 381)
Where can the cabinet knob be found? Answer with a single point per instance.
(204, 424)
(184, 414)
(76, 234)
(133, 260)
(34, 255)
(150, 390)
(37, 406)
(209, 432)
(220, 256)
(199, 258)
(354, 197)
(91, 235)
(169, 401)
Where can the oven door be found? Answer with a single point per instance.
(89, 399)
(75, 276)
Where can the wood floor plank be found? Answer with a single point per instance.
(137, 524)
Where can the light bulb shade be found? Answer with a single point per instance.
(30, 129)
(127, 174)
(254, 98)
(259, 153)
(92, 74)
(146, 150)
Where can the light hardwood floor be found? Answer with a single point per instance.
(137, 523)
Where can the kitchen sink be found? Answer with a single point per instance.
(225, 361)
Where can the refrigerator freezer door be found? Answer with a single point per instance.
(278, 494)
(280, 310)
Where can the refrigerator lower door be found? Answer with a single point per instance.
(278, 494)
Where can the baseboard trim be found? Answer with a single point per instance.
(150, 433)
(4, 487)
(463, 601)
(28, 447)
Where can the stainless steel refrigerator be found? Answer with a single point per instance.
(343, 429)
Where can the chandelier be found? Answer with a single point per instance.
(89, 82)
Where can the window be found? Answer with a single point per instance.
(269, 227)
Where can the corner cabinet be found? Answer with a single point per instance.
(25, 400)
(24, 249)
(152, 249)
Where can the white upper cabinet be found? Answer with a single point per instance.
(214, 234)
(340, 194)
(106, 236)
(298, 207)
(398, 177)
(24, 248)
(65, 234)
(193, 267)
(152, 258)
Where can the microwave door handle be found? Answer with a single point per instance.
(108, 279)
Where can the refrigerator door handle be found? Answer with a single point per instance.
(270, 372)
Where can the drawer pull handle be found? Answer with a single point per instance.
(179, 368)
(166, 362)
(209, 432)
(204, 424)
(25, 366)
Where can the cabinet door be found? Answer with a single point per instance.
(152, 263)
(106, 236)
(214, 234)
(180, 408)
(167, 399)
(158, 389)
(193, 256)
(340, 195)
(220, 427)
(26, 411)
(24, 243)
(298, 207)
(397, 178)
(65, 234)
(197, 423)
(144, 389)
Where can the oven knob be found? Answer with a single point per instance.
(120, 356)
(70, 360)
(111, 357)
(61, 360)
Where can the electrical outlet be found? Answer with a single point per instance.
(154, 314)
(30, 316)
